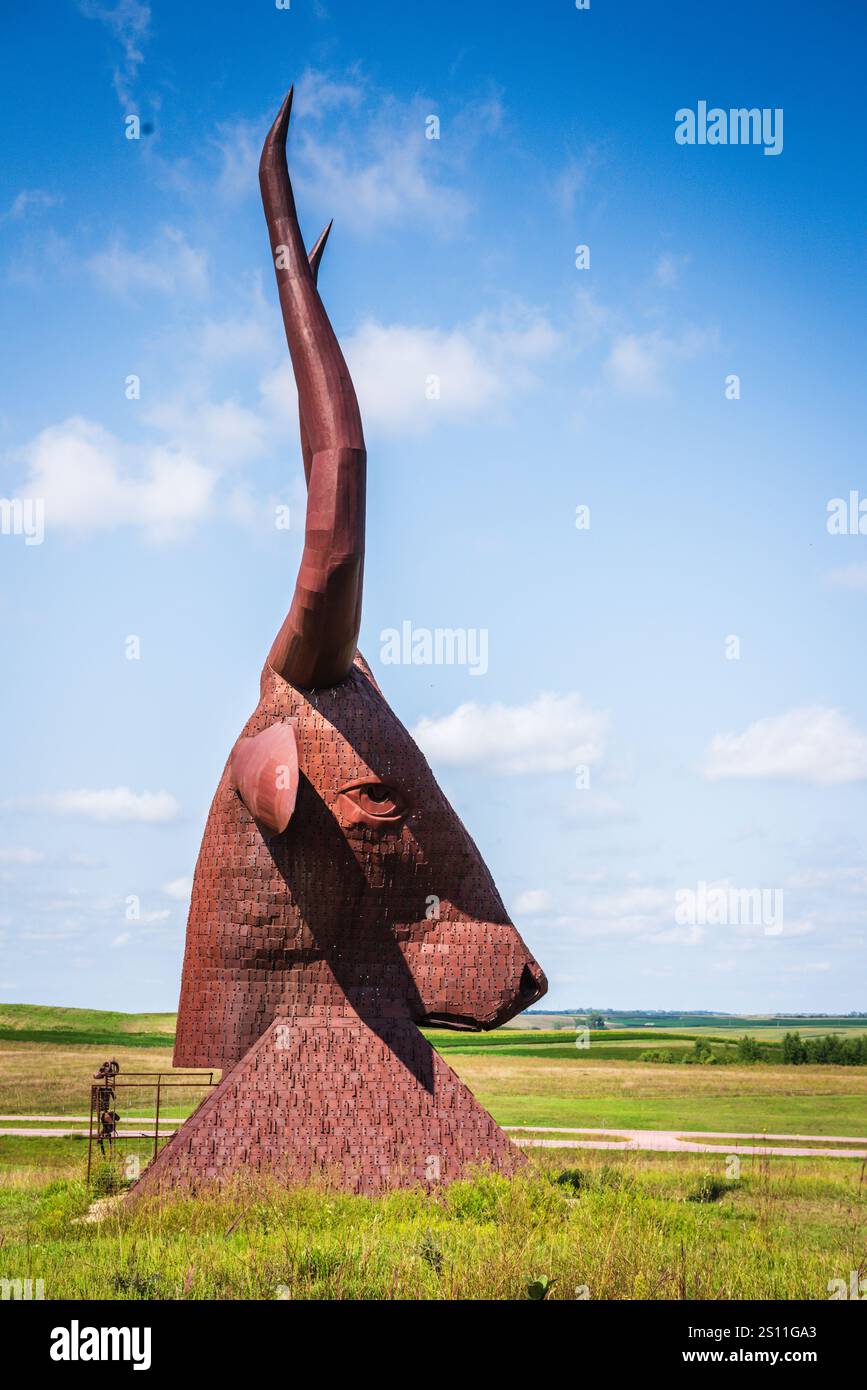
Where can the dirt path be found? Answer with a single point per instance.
(651, 1140)
(686, 1141)
(83, 1133)
(73, 1119)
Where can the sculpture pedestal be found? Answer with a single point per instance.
(366, 1104)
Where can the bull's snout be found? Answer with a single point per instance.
(473, 974)
(521, 994)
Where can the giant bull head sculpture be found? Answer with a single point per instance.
(333, 873)
(338, 901)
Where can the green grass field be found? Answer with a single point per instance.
(597, 1224)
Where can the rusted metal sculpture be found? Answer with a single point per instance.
(338, 901)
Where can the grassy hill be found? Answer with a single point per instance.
(38, 1023)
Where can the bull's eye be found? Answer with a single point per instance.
(372, 803)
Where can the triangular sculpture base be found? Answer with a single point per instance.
(367, 1105)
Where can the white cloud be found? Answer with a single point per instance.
(224, 432)
(532, 902)
(178, 888)
(811, 744)
(171, 266)
(554, 733)
(21, 856)
(90, 480)
(115, 804)
(122, 940)
(640, 363)
(391, 367)
(476, 366)
(848, 577)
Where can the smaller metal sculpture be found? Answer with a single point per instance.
(105, 1097)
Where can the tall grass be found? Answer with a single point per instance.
(620, 1227)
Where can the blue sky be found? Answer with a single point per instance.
(558, 387)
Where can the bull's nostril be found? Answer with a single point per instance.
(529, 985)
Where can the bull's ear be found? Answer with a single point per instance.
(264, 772)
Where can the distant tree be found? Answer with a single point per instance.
(858, 1050)
(824, 1050)
(794, 1051)
(748, 1049)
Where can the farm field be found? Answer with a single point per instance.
(619, 1224)
(765, 1027)
(523, 1078)
(605, 1094)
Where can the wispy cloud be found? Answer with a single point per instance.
(666, 272)
(318, 93)
(178, 888)
(642, 364)
(114, 804)
(533, 902)
(371, 166)
(27, 199)
(573, 178)
(129, 23)
(169, 266)
(853, 577)
(589, 806)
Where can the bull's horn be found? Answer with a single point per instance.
(315, 646)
